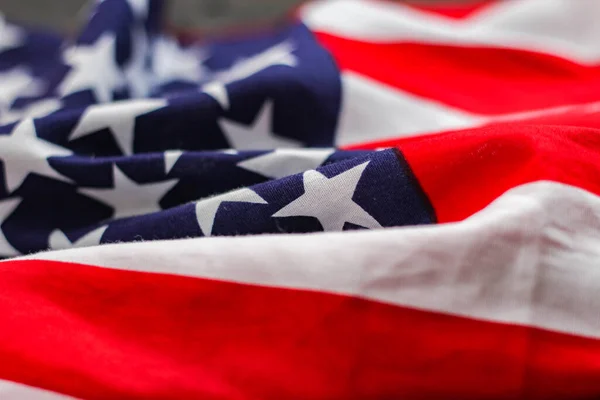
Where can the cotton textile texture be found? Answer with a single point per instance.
(376, 201)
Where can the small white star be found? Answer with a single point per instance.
(280, 54)
(285, 162)
(6, 209)
(217, 91)
(10, 36)
(128, 198)
(119, 117)
(58, 240)
(23, 152)
(174, 63)
(18, 83)
(137, 73)
(258, 135)
(139, 8)
(171, 158)
(206, 210)
(330, 200)
(94, 67)
(36, 109)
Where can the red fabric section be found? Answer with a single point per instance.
(102, 333)
(463, 171)
(487, 81)
(460, 10)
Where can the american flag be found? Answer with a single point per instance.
(376, 201)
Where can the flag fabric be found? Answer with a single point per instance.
(376, 201)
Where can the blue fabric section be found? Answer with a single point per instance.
(89, 130)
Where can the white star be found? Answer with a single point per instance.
(206, 210)
(10, 36)
(94, 67)
(285, 162)
(37, 109)
(280, 54)
(136, 72)
(6, 209)
(217, 91)
(58, 240)
(23, 152)
(171, 158)
(174, 63)
(330, 200)
(128, 198)
(257, 136)
(18, 83)
(119, 117)
(139, 8)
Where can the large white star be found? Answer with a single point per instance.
(330, 200)
(256, 136)
(206, 210)
(6, 209)
(119, 117)
(58, 240)
(94, 67)
(37, 109)
(285, 162)
(18, 83)
(10, 36)
(280, 54)
(128, 198)
(23, 152)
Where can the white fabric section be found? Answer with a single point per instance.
(565, 28)
(16, 391)
(372, 110)
(517, 261)
(392, 113)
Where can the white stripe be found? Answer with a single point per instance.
(565, 28)
(532, 257)
(392, 113)
(374, 111)
(16, 391)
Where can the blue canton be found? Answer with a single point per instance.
(126, 133)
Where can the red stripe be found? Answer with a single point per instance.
(487, 81)
(102, 333)
(459, 10)
(463, 171)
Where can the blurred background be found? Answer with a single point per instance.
(205, 16)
